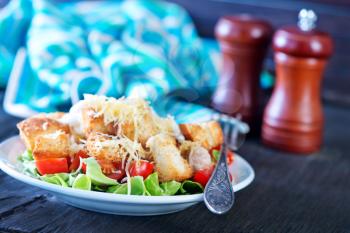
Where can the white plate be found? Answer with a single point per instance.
(110, 203)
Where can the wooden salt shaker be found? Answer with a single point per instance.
(293, 118)
(244, 42)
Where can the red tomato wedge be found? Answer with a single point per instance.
(141, 168)
(230, 157)
(75, 160)
(119, 174)
(52, 166)
(230, 154)
(203, 176)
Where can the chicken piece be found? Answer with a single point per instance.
(54, 145)
(186, 147)
(94, 122)
(199, 158)
(169, 163)
(208, 134)
(35, 126)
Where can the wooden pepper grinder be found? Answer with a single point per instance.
(244, 42)
(293, 118)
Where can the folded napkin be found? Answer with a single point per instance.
(14, 20)
(140, 48)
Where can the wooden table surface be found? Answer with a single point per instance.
(290, 194)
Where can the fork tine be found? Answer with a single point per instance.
(235, 133)
(229, 133)
(226, 127)
(233, 128)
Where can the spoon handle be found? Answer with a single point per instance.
(218, 194)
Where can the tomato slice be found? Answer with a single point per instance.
(141, 168)
(52, 166)
(230, 157)
(203, 176)
(218, 148)
(75, 160)
(119, 173)
(83, 168)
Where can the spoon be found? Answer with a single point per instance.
(219, 196)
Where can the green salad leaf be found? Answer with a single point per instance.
(94, 172)
(137, 185)
(99, 188)
(190, 187)
(28, 164)
(152, 185)
(58, 179)
(82, 182)
(112, 189)
(216, 155)
(118, 189)
(95, 180)
(26, 156)
(170, 187)
(155, 189)
(71, 179)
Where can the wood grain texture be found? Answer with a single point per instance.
(290, 194)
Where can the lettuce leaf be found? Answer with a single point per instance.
(190, 187)
(94, 172)
(118, 189)
(164, 189)
(137, 187)
(152, 185)
(170, 188)
(216, 155)
(82, 182)
(58, 179)
(28, 164)
(94, 179)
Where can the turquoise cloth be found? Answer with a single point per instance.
(143, 48)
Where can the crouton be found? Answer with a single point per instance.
(112, 148)
(208, 134)
(54, 145)
(53, 115)
(36, 126)
(101, 147)
(146, 128)
(169, 163)
(94, 122)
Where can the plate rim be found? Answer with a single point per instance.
(111, 197)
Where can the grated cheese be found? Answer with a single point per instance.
(54, 135)
(121, 112)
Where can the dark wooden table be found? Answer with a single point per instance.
(290, 194)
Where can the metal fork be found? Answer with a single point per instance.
(218, 193)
